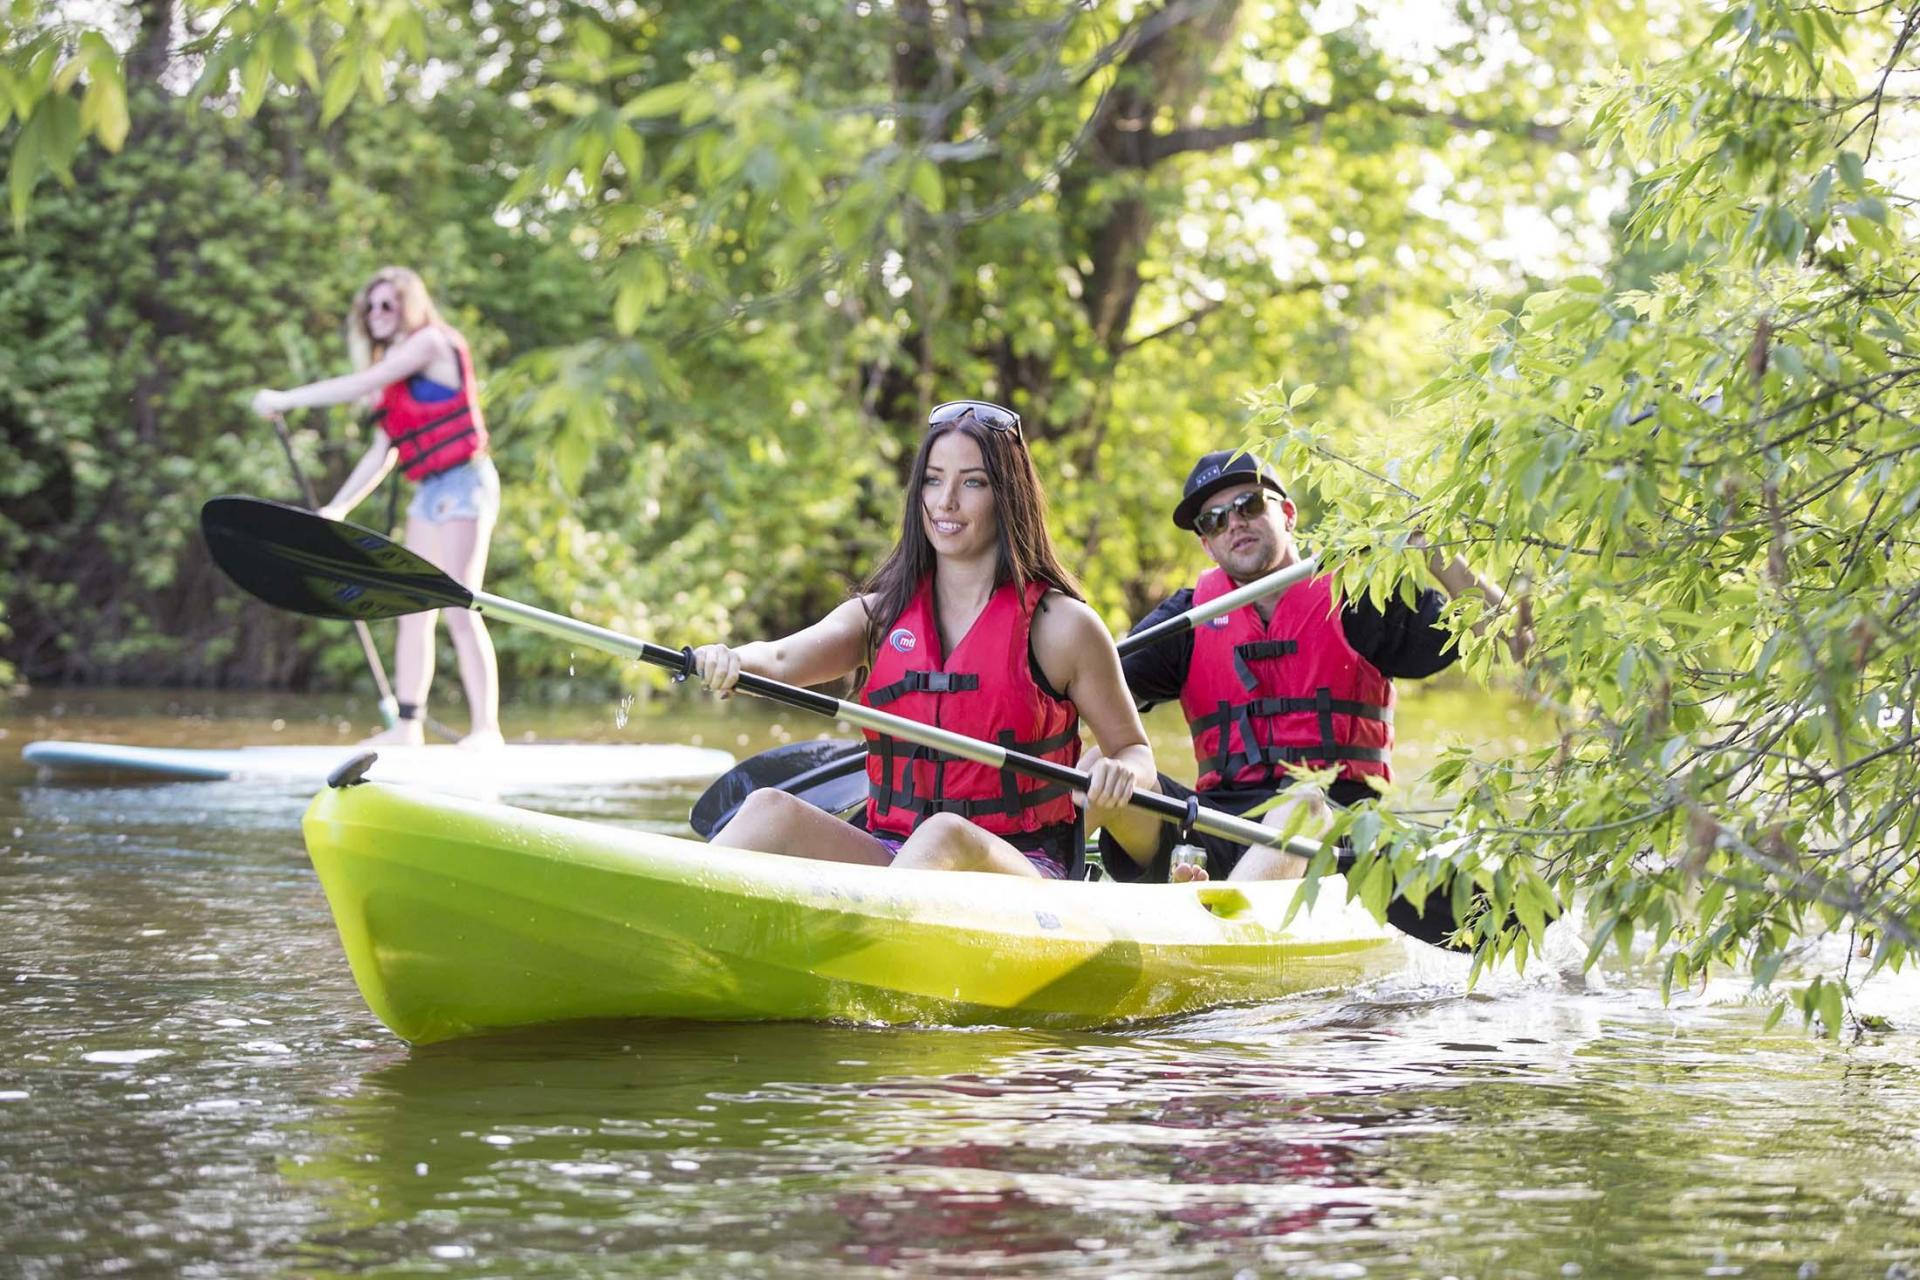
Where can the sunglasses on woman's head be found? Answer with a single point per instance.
(1250, 505)
(988, 414)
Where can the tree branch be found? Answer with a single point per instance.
(1192, 317)
(1159, 146)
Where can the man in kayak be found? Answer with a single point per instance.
(974, 625)
(1295, 681)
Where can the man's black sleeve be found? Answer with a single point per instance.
(1156, 673)
(1401, 640)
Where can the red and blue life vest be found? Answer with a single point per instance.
(434, 435)
(985, 689)
(1261, 696)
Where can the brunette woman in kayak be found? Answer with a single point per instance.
(972, 624)
(414, 371)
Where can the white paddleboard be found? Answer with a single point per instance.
(514, 767)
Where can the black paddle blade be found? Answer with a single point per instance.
(828, 773)
(294, 559)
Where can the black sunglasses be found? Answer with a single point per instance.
(385, 304)
(1250, 505)
(988, 414)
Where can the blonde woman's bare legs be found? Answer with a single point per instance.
(458, 548)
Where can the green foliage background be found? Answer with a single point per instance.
(715, 266)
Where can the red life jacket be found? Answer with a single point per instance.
(985, 690)
(1293, 691)
(434, 435)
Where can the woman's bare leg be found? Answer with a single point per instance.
(459, 547)
(775, 822)
(948, 842)
(412, 656)
(465, 544)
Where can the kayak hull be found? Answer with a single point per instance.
(514, 767)
(460, 917)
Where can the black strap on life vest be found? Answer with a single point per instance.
(924, 682)
(432, 424)
(1255, 652)
(1236, 719)
(1011, 799)
(468, 434)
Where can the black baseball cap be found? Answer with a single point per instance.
(1216, 471)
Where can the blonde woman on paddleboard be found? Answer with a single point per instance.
(972, 624)
(415, 372)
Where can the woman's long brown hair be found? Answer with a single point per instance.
(1026, 551)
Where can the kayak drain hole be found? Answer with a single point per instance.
(1224, 901)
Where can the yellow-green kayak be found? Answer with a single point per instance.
(461, 917)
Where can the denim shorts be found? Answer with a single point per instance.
(470, 491)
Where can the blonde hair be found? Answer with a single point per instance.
(416, 311)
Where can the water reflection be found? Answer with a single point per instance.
(190, 1084)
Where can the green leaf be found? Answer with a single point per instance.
(1830, 1000)
(1852, 171)
(255, 70)
(24, 170)
(373, 74)
(629, 305)
(927, 186)
(406, 29)
(343, 79)
(661, 100)
(632, 151)
(103, 110)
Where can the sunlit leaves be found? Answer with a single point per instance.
(1705, 483)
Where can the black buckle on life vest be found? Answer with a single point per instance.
(924, 682)
(1258, 651)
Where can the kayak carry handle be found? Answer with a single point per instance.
(353, 772)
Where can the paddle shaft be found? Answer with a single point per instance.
(294, 559)
(360, 628)
(1260, 588)
(1211, 821)
(1274, 583)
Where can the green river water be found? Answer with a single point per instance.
(190, 1085)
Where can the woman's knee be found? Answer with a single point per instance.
(464, 624)
(948, 828)
(760, 822)
(414, 626)
(944, 841)
(768, 805)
